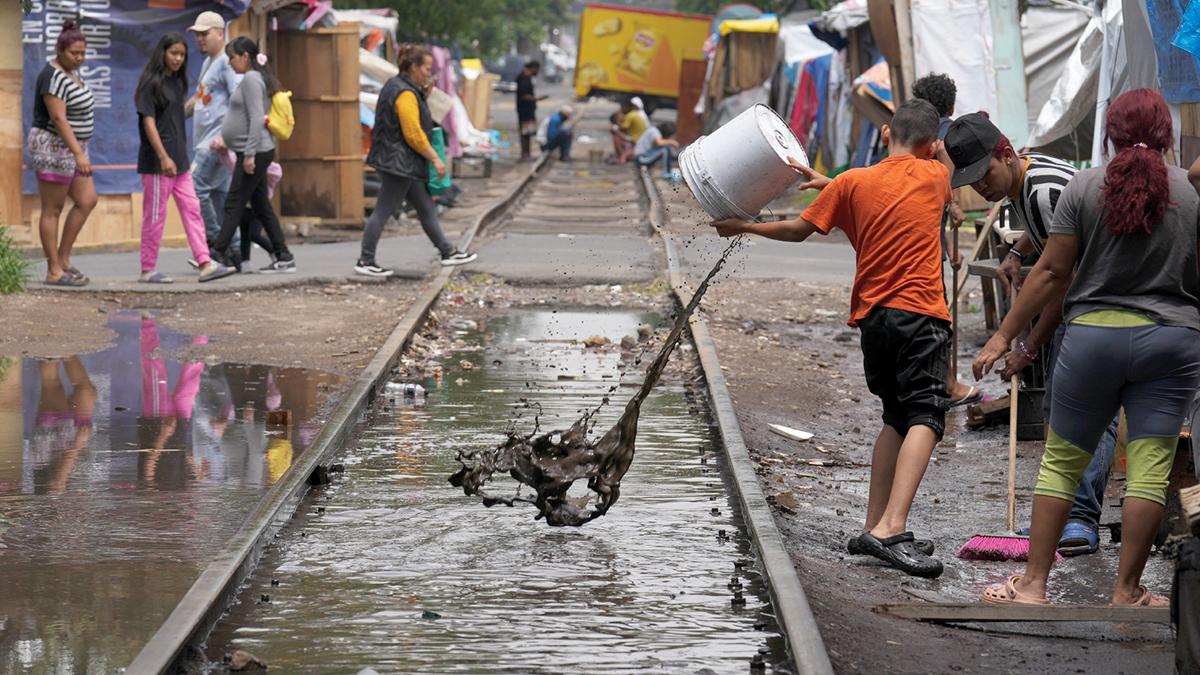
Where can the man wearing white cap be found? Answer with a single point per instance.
(209, 106)
(559, 133)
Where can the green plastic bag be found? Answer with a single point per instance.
(438, 185)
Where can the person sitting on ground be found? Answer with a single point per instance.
(634, 121)
(1033, 183)
(941, 92)
(656, 144)
(560, 133)
(1122, 247)
(622, 144)
(890, 212)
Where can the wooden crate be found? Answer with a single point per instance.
(323, 160)
(326, 188)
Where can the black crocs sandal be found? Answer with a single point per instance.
(900, 552)
(923, 545)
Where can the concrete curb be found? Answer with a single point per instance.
(194, 617)
(792, 610)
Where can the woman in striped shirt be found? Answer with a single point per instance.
(63, 114)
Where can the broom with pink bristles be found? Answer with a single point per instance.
(1008, 545)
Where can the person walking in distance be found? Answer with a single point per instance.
(207, 108)
(401, 153)
(527, 102)
(63, 120)
(162, 158)
(245, 132)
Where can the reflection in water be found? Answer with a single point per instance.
(121, 473)
(391, 568)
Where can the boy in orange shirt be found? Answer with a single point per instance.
(891, 213)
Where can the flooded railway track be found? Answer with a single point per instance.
(389, 568)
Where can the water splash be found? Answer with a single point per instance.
(551, 462)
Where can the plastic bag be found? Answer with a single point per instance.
(438, 185)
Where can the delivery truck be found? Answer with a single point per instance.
(625, 51)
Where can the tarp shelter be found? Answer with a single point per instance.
(742, 64)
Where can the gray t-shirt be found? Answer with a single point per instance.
(245, 127)
(1154, 274)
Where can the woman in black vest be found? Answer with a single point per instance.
(401, 153)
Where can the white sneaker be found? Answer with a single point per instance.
(458, 258)
(372, 270)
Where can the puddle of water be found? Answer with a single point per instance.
(392, 568)
(121, 473)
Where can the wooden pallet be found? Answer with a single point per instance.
(956, 611)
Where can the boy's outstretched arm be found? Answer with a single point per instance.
(783, 230)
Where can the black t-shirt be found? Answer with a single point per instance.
(168, 113)
(526, 110)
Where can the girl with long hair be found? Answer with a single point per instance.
(163, 159)
(63, 122)
(1123, 249)
(245, 132)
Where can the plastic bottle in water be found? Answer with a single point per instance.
(406, 389)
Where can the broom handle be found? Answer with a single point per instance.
(954, 300)
(1012, 450)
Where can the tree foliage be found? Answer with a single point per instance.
(479, 27)
(779, 6)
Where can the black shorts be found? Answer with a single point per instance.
(906, 357)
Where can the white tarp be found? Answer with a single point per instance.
(955, 37)
(799, 44)
(1073, 97)
(1048, 36)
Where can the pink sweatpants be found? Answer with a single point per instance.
(156, 189)
(156, 400)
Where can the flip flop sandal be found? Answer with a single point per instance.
(74, 271)
(157, 278)
(974, 395)
(67, 281)
(1148, 599)
(1007, 594)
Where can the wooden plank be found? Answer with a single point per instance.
(11, 147)
(691, 88)
(929, 611)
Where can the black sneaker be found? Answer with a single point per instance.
(458, 258)
(372, 270)
(278, 266)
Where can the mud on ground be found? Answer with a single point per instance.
(789, 358)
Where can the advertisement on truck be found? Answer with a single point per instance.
(625, 51)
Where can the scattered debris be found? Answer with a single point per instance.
(242, 660)
(596, 341)
(788, 432)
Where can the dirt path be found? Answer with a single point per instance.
(336, 328)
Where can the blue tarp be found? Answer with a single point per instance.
(1178, 70)
(121, 34)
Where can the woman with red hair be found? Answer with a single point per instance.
(1124, 246)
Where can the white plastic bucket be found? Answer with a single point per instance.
(742, 166)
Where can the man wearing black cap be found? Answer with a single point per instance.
(985, 159)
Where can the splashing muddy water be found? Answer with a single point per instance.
(551, 462)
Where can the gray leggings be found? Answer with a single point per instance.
(1151, 370)
(393, 192)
